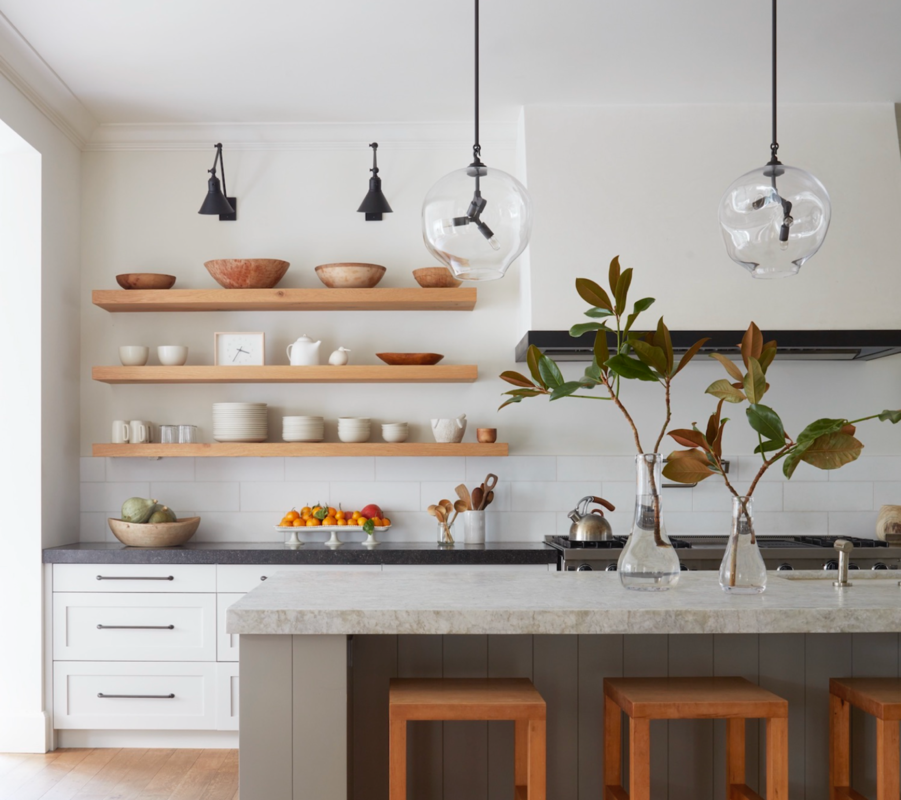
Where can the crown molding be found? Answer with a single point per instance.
(298, 136)
(24, 68)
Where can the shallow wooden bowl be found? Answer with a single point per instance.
(350, 275)
(145, 280)
(436, 278)
(410, 359)
(247, 273)
(161, 534)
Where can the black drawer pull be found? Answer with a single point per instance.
(135, 627)
(264, 577)
(126, 578)
(137, 696)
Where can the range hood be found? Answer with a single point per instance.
(793, 345)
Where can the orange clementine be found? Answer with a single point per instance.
(297, 523)
(386, 523)
(340, 515)
(306, 510)
(341, 521)
(330, 521)
(292, 514)
(312, 522)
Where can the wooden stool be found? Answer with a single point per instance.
(732, 699)
(513, 699)
(880, 697)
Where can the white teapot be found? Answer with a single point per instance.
(304, 352)
(449, 430)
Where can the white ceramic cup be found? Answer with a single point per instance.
(134, 355)
(120, 431)
(138, 432)
(473, 527)
(172, 355)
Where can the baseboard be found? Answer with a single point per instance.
(25, 733)
(209, 740)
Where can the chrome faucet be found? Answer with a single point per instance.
(844, 548)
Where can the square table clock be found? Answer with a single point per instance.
(239, 349)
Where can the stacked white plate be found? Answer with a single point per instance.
(303, 429)
(354, 429)
(395, 432)
(240, 422)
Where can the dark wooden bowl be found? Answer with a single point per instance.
(145, 280)
(247, 273)
(410, 359)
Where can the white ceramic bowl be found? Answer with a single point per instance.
(134, 355)
(172, 355)
(394, 436)
(353, 436)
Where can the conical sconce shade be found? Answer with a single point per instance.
(375, 202)
(215, 202)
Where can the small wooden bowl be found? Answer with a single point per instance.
(145, 280)
(350, 275)
(486, 435)
(247, 273)
(436, 278)
(161, 534)
(410, 359)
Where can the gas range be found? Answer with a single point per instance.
(706, 552)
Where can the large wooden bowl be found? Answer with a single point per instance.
(436, 278)
(247, 273)
(145, 280)
(161, 534)
(350, 275)
(410, 359)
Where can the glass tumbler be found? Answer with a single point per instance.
(169, 434)
(187, 434)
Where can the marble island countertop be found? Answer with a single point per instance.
(559, 602)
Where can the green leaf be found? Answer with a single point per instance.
(725, 391)
(891, 416)
(550, 372)
(613, 274)
(622, 290)
(598, 313)
(532, 357)
(663, 341)
(601, 351)
(690, 354)
(768, 447)
(833, 450)
(751, 343)
(321, 514)
(767, 355)
(730, 366)
(593, 294)
(368, 526)
(686, 470)
(821, 427)
(584, 327)
(642, 305)
(755, 381)
(766, 422)
(565, 389)
(516, 379)
(594, 371)
(794, 458)
(507, 402)
(630, 368)
(524, 393)
(652, 356)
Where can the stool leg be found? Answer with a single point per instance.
(887, 780)
(735, 754)
(536, 785)
(776, 758)
(640, 759)
(397, 760)
(839, 744)
(521, 752)
(613, 744)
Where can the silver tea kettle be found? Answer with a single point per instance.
(590, 526)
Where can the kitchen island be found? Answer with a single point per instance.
(316, 657)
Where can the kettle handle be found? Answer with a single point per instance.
(603, 502)
(288, 351)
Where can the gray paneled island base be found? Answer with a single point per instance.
(318, 650)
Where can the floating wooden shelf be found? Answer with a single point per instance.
(439, 373)
(291, 450)
(415, 299)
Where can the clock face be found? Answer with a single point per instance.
(239, 349)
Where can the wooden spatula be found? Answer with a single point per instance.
(463, 494)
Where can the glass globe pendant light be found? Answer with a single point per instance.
(477, 220)
(774, 218)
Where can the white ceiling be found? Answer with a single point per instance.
(144, 61)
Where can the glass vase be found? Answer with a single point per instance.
(742, 570)
(648, 562)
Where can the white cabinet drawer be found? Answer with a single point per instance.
(134, 627)
(244, 577)
(506, 568)
(226, 643)
(227, 696)
(134, 577)
(160, 696)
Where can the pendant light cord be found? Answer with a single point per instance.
(476, 147)
(774, 145)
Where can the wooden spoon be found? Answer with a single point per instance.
(463, 494)
(433, 509)
(459, 507)
(477, 497)
(489, 498)
(446, 505)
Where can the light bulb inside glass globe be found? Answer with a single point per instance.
(774, 219)
(477, 221)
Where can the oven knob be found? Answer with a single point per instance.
(583, 568)
(879, 565)
(610, 568)
(683, 568)
(784, 567)
(831, 564)
(853, 566)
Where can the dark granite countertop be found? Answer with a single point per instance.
(266, 553)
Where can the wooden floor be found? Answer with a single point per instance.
(120, 774)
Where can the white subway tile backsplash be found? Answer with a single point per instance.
(104, 496)
(869, 468)
(886, 494)
(748, 467)
(548, 496)
(93, 526)
(92, 470)
(791, 523)
(595, 468)
(697, 523)
(210, 470)
(853, 523)
(199, 496)
(280, 498)
(421, 469)
(519, 526)
(512, 468)
(390, 496)
(829, 496)
(712, 495)
(145, 469)
(329, 469)
(237, 526)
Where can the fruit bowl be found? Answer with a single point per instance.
(350, 275)
(436, 278)
(160, 534)
(145, 280)
(247, 273)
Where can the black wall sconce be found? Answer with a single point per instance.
(374, 204)
(216, 201)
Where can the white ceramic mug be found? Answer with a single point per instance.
(473, 527)
(172, 355)
(138, 432)
(134, 355)
(120, 431)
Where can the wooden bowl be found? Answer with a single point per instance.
(436, 278)
(410, 359)
(161, 534)
(350, 275)
(486, 435)
(145, 280)
(247, 273)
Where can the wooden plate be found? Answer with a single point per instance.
(410, 359)
(145, 280)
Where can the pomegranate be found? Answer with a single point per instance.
(372, 510)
